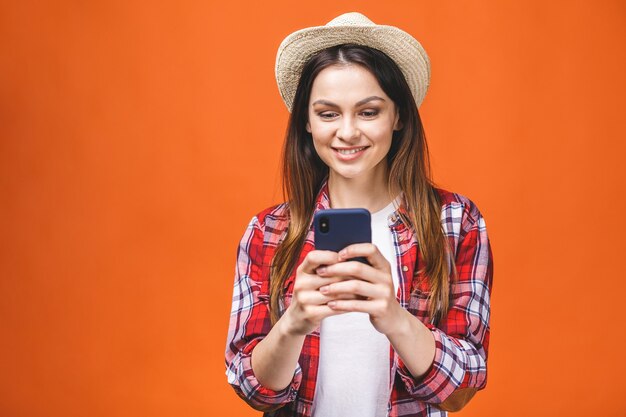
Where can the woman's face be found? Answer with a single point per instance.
(352, 121)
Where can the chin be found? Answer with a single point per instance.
(348, 174)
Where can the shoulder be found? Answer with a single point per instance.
(263, 233)
(459, 214)
(273, 216)
(271, 223)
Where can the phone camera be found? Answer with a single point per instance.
(324, 225)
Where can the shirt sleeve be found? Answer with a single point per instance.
(459, 368)
(249, 323)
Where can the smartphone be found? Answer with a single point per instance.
(337, 228)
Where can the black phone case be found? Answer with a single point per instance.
(345, 227)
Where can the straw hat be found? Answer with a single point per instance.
(297, 48)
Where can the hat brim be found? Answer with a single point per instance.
(402, 48)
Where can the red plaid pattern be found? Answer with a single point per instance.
(461, 338)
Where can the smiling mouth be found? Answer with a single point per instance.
(350, 151)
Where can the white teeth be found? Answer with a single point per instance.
(349, 151)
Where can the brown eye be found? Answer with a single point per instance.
(369, 113)
(327, 115)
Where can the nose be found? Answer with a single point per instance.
(348, 129)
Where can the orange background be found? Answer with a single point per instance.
(139, 138)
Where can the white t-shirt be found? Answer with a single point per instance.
(353, 373)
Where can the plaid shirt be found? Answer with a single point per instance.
(461, 338)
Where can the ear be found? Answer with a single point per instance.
(308, 127)
(398, 125)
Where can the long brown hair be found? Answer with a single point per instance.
(409, 171)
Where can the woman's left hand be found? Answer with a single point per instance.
(372, 284)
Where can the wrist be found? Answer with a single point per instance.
(401, 324)
(285, 325)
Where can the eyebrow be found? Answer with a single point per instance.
(359, 103)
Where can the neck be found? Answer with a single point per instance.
(372, 194)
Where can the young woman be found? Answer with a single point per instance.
(313, 333)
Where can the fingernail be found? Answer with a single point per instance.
(324, 289)
(332, 304)
(321, 270)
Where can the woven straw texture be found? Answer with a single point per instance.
(297, 48)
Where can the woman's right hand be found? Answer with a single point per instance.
(308, 305)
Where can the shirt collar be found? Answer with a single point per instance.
(322, 202)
